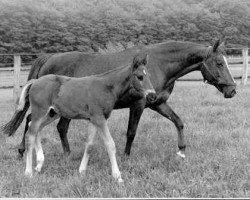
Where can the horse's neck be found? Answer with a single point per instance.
(118, 80)
(187, 62)
(192, 56)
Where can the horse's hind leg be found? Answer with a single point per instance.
(110, 146)
(91, 135)
(21, 148)
(135, 113)
(62, 128)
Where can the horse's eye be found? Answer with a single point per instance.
(140, 77)
(220, 64)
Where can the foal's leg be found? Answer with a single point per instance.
(31, 139)
(135, 113)
(110, 146)
(21, 148)
(62, 128)
(38, 145)
(165, 110)
(39, 153)
(85, 159)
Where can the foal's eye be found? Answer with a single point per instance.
(220, 64)
(140, 77)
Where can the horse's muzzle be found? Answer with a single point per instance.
(232, 93)
(150, 96)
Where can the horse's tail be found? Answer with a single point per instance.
(37, 65)
(23, 105)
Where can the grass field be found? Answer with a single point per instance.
(217, 160)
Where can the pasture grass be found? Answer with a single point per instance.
(217, 160)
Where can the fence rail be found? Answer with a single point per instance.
(20, 72)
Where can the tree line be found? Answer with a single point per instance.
(92, 25)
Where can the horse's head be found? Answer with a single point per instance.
(216, 72)
(140, 83)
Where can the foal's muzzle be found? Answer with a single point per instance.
(150, 96)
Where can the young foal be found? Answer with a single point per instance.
(91, 98)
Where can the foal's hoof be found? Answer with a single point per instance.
(83, 172)
(28, 174)
(38, 168)
(182, 155)
(117, 177)
(120, 181)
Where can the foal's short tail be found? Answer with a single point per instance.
(23, 105)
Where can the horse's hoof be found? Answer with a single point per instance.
(66, 155)
(19, 156)
(182, 155)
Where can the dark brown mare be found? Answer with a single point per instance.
(91, 98)
(168, 61)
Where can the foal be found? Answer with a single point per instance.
(91, 98)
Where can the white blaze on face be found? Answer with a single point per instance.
(225, 59)
(144, 71)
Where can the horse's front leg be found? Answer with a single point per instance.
(135, 113)
(62, 127)
(165, 110)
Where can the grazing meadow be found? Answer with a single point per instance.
(217, 160)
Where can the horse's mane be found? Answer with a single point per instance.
(182, 50)
(112, 70)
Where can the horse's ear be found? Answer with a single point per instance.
(145, 60)
(135, 63)
(216, 45)
(138, 60)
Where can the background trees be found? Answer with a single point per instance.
(89, 25)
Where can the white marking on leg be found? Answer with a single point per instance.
(39, 154)
(85, 159)
(225, 59)
(31, 144)
(179, 153)
(110, 146)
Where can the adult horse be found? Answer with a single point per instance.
(91, 98)
(168, 61)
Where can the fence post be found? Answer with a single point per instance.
(245, 66)
(17, 69)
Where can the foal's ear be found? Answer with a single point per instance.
(216, 45)
(139, 60)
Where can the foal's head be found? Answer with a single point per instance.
(140, 84)
(216, 72)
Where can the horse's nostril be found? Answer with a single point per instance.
(233, 93)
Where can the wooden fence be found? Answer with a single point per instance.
(233, 61)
